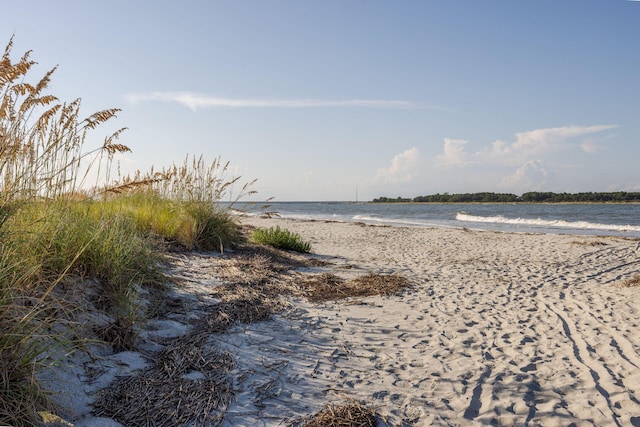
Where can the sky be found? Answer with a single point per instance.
(326, 100)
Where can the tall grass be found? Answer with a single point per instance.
(57, 228)
(42, 141)
(21, 347)
(181, 203)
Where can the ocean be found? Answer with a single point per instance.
(586, 219)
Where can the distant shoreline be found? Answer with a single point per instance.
(633, 202)
(366, 202)
(529, 197)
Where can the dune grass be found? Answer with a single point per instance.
(58, 230)
(281, 239)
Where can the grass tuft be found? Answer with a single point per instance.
(281, 239)
(215, 228)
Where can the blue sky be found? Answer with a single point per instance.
(398, 98)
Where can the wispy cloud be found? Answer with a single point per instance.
(195, 101)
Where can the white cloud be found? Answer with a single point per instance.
(195, 101)
(403, 167)
(530, 145)
(590, 147)
(538, 142)
(453, 153)
(531, 161)
(530, 176)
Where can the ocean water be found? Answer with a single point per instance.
(588, 219)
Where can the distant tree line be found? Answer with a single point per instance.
(530, 197)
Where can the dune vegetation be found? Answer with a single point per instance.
(280, 239)
(58, 231)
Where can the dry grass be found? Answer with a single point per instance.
(329, 287)
(632, 282)
(589, 243)
(42, 141)
(352, 414)
(164, 396)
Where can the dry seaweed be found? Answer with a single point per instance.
(631, 282)
(164, 395)
(329, 287)
(352, 414)
(257, 282)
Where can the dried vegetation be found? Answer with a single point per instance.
(329, 287)
(351, 414)
(257, 282)
(632, 282)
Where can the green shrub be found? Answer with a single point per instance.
(281, 239)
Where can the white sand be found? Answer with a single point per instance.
(500, 329)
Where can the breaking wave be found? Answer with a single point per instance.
(559, 223)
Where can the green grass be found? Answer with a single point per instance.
(201, 225)
(57, 230)
(215, 228)
(281, 239)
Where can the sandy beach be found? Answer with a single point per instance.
(496, 329)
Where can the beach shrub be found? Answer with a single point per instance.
(43, 160)
(281, 239)
(184, 203)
